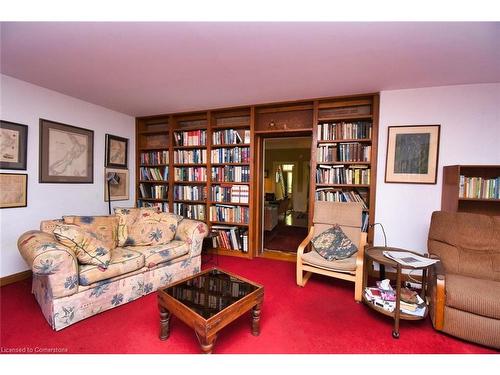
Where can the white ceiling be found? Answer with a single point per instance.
(153, 68)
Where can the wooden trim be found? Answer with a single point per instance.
(345, 103)
(14, 278)
(303, 107)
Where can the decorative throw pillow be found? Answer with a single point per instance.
(87, 247)
(139, 227)
(105, 227)
(334, 244)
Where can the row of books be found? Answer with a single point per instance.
(195, 156)
(200, 298)
(335, 195)
(190, 138)
(479, 187)
(364, 221)
(231, 173)
(162, 206)
(230, 214)
(154, 157)
(191, 211)
(198, 174)
(339, 174)
(230, 194)
(230, 238)
(231, 155)
(352, 151)
(153, 191)
(189, 192)
(230, 136)
(153, 174)
(344, 130)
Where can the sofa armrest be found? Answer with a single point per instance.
(49, 259)
(437, 294)
(193, 232)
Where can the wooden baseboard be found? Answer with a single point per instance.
(279, 255)
(23, 275)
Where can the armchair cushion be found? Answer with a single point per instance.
(157, 254)
(477, 296)
(122, 261)
(139, 226)
(87, 247)
(333, 244)
(343, 265)
(104, 227)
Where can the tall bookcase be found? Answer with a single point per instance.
(344, 164)
(471, 188)
(199, 165)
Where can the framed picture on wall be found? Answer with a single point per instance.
(13, 190)
(412, 154)
(116, 151)
(118, 187)
(13, 145)
(66, 153)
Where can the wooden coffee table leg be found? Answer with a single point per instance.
(164, 323)
(256, 320)
(206, 342)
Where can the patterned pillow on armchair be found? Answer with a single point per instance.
(333, 244)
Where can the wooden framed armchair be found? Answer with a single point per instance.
(348, 217)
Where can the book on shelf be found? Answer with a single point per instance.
(343, 152)
(154, 157)
(226, 137)
(340, 174)
(409, 259)
(344, 130)
(190, 138)
(230, 194)
(153, 174)
(231, 173)
(386, 299)
(193, 174)
(231, 155)
(153, 191)
(336, 195)
(190, 211)
(479, 187)
(229, 214)
(230, 238)
(195, 156)
(190, 192)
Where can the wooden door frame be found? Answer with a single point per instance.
(259, 192)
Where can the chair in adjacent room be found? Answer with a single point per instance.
(349, 217)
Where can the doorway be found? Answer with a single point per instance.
(285, 194)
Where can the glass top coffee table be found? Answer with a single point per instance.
(207, 302)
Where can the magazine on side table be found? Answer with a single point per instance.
(409, 259)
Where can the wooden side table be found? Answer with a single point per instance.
(375, 254)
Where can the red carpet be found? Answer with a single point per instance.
(285, 238)
(320, 318)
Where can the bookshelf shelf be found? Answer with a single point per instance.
(229, 183)
(229, 224)
(153, 132)
(351, 140)
(229, 203)
(153, 200)
(230, 145)
(190, 165)
(465, 189)
(222, 164)
(344, 185)
(344, 117)
(160, 182)
(153, 165)
(189, 201)
(189, 147)
(191, 182)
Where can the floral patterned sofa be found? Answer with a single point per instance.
(68, 290)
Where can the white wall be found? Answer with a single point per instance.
(25, 103)
(470, 134)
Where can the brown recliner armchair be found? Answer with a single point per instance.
(464, 287)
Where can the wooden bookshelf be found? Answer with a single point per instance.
(345, 137)
(454, 196)
(159, 133)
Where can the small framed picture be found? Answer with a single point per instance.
(118, 187)
(13, 190)
(412, 154)
(116, 152)
(66, 153)
(13, 145)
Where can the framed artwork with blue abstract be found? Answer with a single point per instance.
(412, 154)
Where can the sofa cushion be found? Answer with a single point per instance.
(122, 262)
(333, 244)
(105, 227)
(477, 296)
(157, 254)
(347, 265)
(87, 247)
(139, 226)
(48, 226)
